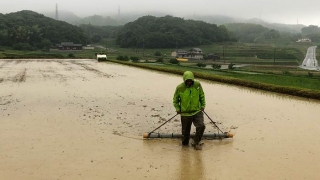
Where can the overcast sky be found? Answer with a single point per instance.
(305, 12)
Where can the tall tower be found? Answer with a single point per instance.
(57, 17)
(119, 11)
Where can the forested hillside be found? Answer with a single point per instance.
(97, 33)
(252, 33)
(312, 32)
(28, 30)
(97, 20)
(288, 28)
(169, 32)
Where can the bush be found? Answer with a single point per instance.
(231, 66)
(160, 60)
(174, 61)
(286, 72)
(202, 65)
(216, 66)
(71, 55)
(134, 58)
(310, 74)
(125, 58)
(23, 47)
(119, 57)
(122, 58)
(157, 53)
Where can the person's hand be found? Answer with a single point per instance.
(178, 112)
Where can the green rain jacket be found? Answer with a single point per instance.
(189, 100)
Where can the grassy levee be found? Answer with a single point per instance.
(14, 54)
(239, 80)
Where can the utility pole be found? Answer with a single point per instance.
(143, 47)
(57, 16)
(274, 56)
(222, 51)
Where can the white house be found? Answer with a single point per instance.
(180, 53)
(193, 53)
(304, 40)
(88, 47)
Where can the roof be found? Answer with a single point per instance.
(196, 49)
(68, 44)
(181, 51)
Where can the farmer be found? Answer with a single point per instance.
(189, 102)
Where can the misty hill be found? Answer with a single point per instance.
(291, 28)
(66, 16)
(252, 33)
(95, 34)
(213, 19)
(123, 18)
(28, 30)
(169, 32)
(98, 20)
(221, 20)
(312, 32)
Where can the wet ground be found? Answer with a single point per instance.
(80, 119)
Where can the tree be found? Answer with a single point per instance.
(174, 61)
(31, 31)
(157, 53)
(231, 66)
(216, 66)
(168, 31)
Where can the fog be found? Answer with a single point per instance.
(285, 11)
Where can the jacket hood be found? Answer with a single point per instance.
(188, 75)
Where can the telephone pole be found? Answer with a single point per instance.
(57, 17)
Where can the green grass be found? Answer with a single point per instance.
(311, 83)
(280, 80)
(285, 84)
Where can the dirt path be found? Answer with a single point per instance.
(80, 119)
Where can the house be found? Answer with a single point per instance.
(88, 47)
(180, 53)
(69, 46)
(304, 40)
(213, 56)
(193, 53)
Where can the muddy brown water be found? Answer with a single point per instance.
(80, 119)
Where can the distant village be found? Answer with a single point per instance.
(180, 54)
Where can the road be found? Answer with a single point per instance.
(310, 61)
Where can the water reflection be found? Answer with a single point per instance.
(191, 165)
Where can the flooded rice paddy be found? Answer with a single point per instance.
(80, 119)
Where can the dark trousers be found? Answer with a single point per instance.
(186, 122)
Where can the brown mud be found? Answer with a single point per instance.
(80, 119)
